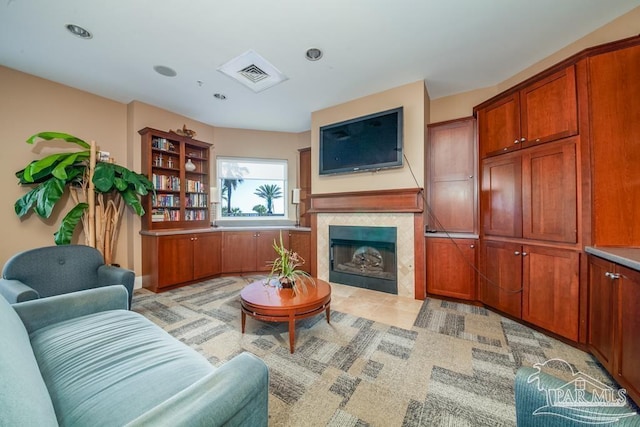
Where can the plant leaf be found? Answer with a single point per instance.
(59, 135)
(103, 177)
(69, 223)
(23, 205)
(48, 194)
(61, 172)
(131, 198)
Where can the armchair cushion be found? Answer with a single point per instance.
(55, 270)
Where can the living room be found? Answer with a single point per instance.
(33, 104)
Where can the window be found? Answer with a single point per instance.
(252, 188)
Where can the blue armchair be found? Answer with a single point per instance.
(55, 270)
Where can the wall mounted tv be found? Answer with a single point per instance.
(367, 143)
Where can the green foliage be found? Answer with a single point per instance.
(53, 174)
(285, 269)
(269, 192)
(260, 209)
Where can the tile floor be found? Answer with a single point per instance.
(373, 305)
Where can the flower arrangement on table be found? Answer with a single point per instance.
(284, 270)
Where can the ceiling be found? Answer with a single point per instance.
(369, 46)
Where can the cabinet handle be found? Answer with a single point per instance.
(524, 254)
(523, 139)
(612, 276)
(516, 253)
(516, 142)
(472, 246)
(470, 176)
(538, 140)
(195, 238)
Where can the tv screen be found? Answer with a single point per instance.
(366, 143)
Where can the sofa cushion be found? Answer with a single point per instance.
(108, 368)
(24, 399)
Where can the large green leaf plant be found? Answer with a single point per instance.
(52, 175)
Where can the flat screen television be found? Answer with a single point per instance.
(367, 143)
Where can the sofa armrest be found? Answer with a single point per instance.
(109, 275)
(45, 311)
(235, 394)
(15, 291)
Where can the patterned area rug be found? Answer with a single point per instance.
(455, 367)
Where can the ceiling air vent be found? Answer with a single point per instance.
(253, 71)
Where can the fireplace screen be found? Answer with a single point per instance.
(363, 257)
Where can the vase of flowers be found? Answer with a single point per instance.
(284, 270)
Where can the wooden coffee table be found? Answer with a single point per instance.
(264, 302)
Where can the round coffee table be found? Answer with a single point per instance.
(265, 302)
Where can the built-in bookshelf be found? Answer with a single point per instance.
(179, 169)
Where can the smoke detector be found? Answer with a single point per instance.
(253, 71)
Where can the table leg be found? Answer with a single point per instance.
(292, 333)
(244, 319)
(328, 314)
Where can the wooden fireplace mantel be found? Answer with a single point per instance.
(408, 200)
(405, 200)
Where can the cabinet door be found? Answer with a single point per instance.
(548, 108)
(239, 251)
(300, 242)
(451, 267)
(550, 289)
(628, 321)
(549, 192)
(207, 248)
(501, 282)
(501, 197)
(451, 177)
(614, 104)
(499, 126)
(305, 187)
(601, 311)
(175, 259)
(265, 254)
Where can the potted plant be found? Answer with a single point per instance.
(284, 270)
(99, 188)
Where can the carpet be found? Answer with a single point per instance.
(454, 367)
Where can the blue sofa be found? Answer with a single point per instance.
(54, 270)
(83, 359)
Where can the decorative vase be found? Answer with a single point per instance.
(190, 166)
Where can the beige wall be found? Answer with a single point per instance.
(461, 105)
(30, 105)
(414, 98)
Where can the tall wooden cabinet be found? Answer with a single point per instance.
(305, 187)
(451, 212)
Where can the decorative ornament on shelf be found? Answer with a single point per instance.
(190, 166)
(184, 132)
(284, 273)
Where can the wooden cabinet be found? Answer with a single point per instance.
(451, 176)
(601, 311)
(614, 323)
(551, 286)
(305, 187)
(300, 242)
(250, 251)
(532, 193)
(178, 167)
(614, 102)
(543, 111)
(177, 259)
(501, 281)
(451, 267)
(535, 283)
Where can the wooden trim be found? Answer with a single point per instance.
(409, 200)
(420, 258)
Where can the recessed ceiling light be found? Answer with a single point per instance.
(219, 96)
(79, 31)
(165, 71)
(313, 54)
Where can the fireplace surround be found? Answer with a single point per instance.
(364, 257)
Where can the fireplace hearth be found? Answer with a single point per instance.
(364, 257)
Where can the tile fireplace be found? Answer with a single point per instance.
(364, 257)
